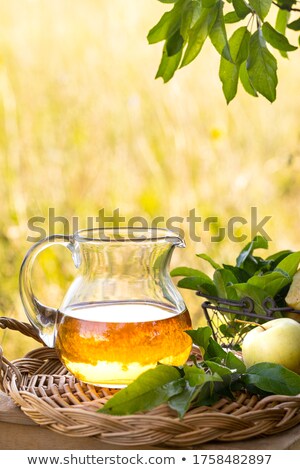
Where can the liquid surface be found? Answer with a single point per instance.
(111, 345)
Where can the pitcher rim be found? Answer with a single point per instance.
(110, 235)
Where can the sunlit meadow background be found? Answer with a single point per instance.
(85, 126)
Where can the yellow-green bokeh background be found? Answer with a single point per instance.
(85, 126)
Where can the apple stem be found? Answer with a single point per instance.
(251, 323)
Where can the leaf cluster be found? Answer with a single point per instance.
(252, 277)
(244, 56)
(217, 374)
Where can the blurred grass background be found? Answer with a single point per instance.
(85, 126)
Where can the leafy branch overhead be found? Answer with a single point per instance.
(245, 56)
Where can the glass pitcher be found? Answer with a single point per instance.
(122, 314)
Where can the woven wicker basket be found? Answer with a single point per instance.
(44, 390)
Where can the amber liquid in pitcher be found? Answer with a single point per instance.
(109, 345)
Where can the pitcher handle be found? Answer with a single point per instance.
(43, 318)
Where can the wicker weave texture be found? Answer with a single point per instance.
(47, 393)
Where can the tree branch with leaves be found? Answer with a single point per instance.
(245, 56)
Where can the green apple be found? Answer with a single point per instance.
(276, 341)
(293, 296)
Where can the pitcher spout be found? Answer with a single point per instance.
(178, 241)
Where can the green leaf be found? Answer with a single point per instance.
(282, 19)
(271, 282)
(198, 283)
(241, 9)
(279, 256)
(244, 77)
(209, 260)
(253, 265)
(294, 25)
(289, 264)
(229, 76)
(209, 3)
(184, 271)
(259, 264)
(261, 7)
(167, 25)
(183, 400)
(194, 375)
(234, 363)
(207, 396)
(232, 295)
(229, 72)
(276, 39)
(239, 43)
(256, 243)
(196, 382)
(240, 274)
(214, 350)
(255, 293)
(218, 35)
(174, 44)
(197, 376)
(168, 65)
(231, 17)
(228, 331)
(201, 337)
(222, 279)
(150, 389)
(199, 33)
(168, 1)
(218, 368)
(190, 15)
(273, 378)
(262, 67)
